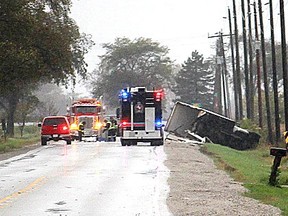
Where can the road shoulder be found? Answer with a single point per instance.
(197, 187)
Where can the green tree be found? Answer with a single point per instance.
(195, 81)
(38, 42)
(141, 62)
(26, 105)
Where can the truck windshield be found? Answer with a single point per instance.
(87, 109)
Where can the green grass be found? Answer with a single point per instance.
(30, 136)
(253, 168)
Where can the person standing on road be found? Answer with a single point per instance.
(81, 128)
(107, 125)
(113, 129)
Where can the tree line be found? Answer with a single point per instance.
(39, 43)
(144, 62)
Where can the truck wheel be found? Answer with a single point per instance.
(133, 142)
(125, 143)
(43, 141)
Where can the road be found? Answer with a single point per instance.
(85, 178)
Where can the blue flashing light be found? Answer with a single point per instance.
(124, 95)
(158, 123)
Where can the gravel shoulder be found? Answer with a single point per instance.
(197, 187)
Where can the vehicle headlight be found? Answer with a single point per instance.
(98, 125)
(73, 126)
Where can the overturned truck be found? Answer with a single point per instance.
(203, 125)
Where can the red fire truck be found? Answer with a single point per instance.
(90, 111)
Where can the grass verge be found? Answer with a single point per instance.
(30, 136)
(253, 168)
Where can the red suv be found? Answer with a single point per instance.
(55, 128)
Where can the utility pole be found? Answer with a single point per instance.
(217, 86)
(220, 68)
(275, 87)
(284, 62)
(246, 72)
(238, 78)
(266, 87)
(224, 79)
(236, 101)
(257, 47)
(251, 80)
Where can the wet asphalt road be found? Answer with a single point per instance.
(87, 178)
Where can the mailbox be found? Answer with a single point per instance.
(280, 152)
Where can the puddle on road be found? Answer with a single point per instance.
(29, 170)
(61, 203)
(57, 210)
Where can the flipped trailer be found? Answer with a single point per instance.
(141, 116)
(199, 124)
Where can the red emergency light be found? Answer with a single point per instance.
(158, 95)
(125, 123)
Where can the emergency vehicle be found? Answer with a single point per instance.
(141, 116)
(89, 110)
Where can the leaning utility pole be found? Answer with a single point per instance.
(257, 47)
(246, 72)
(236, 101)
(238, 78)
(266, 87)
(284, 62)
(275, 87)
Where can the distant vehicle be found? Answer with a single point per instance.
(90, 111)
(141, 116)
(55, 128)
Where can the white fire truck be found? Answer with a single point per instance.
(141, 116)
(90, 111)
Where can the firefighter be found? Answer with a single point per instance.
(112, 131)
(107, 125)
(81, 127)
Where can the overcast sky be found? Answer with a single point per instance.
(183, 25)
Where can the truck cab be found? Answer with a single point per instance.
(141, 116)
